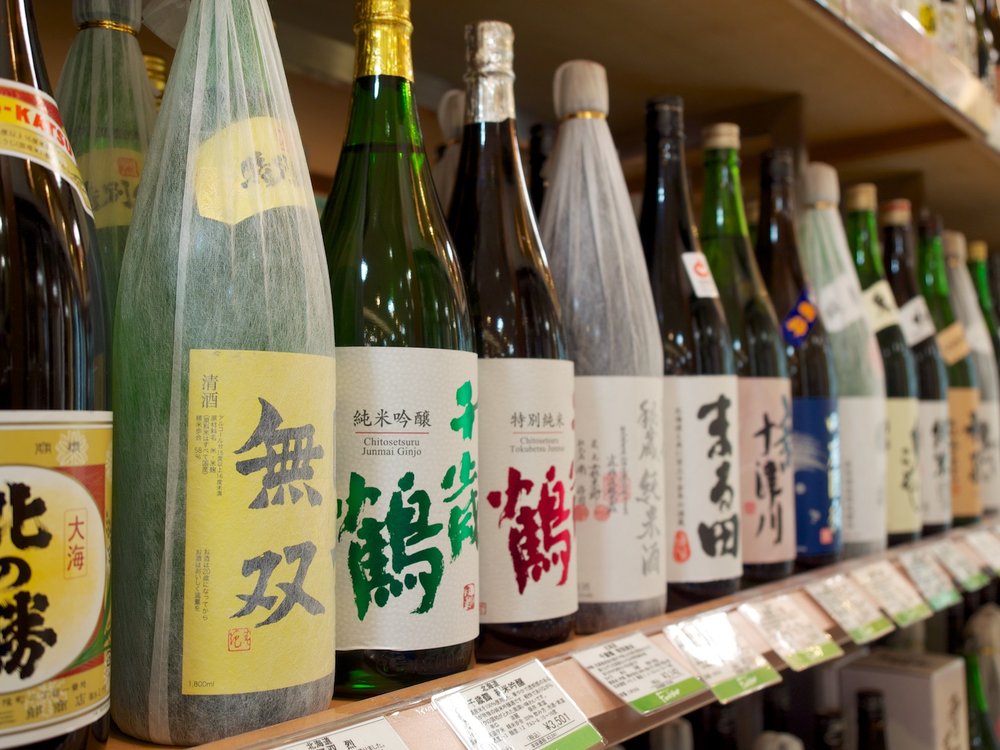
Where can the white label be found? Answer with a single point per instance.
(527, 550)
(880, 306)
(792, 635)
(987, 546)
(407, 445)
(863, 466)
(767, 486)
(988, 460)
(371, 735)
(916, 321)
(960, 565)
(521, 709)
(934, 450)
(619, 511)
(639, 673)
(840, 302)
(892, 592)
(850, 608)
(700, 275)
(978, 337)
(934, 584)
(702, 477)
(903, 488)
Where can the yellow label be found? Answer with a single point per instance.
(966, 495)
(903, 499)
(245, 169)
(952, 343)
(261, 512)
(55, 517)
(112, 179)
(31, 128)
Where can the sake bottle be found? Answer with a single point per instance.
(55, 427)
(407, 396)
(543, 138)
(987, 422)
(699, 388)
(857, 361)
(589, 230)
(963, 381)
(527, 568)
(224, 399)
(993, 255)
(451, 116)
(815, 419)
(107, 105)
(903, 487)
(980, 279)
(917, 325)
(767, 490)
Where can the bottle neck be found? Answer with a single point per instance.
(776, 229)
(666, 199)
(862, 231)
(723, 204)
(382, 47)
(981, 278)
(22, 59)
(933, 273)
(489, 97)
(898, 254)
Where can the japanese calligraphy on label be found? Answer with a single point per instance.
(816, 457)
(702, 477)
(527, 568)
(850, 608)
(245, 169)
(639, 673)
(952, 343)
(880, 306)
(55, 495)
(915, 320)
(111, 176)
(988, 459)
(377, 734)
(407, 494)
(934, 445)
(793, 636)
(619, 497)
(863, 466)
(724, 657)
(934, 584)
(260, 521)
(903, 493)
(31, 128)
(522, 709)
(961, 565)
(893, 593)
(800, 320)
(700, 275)
(987, 546)
(767, 489)
(840, 301)
(966, 491)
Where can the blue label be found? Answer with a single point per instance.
(800, 320)
(816, 455)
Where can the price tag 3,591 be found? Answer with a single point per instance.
(727, 662)
(934, 584)
(893, 593)
(522, 709)
(850, 608)
(639, 673)
(792, 635)
(960, 565)
(371, 734)
(987, 546)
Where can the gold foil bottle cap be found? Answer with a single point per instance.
(896, 213)
(721, 135)
(977, 250)
(862, 197)
(382, 32)
(156, 71)
(382, 11)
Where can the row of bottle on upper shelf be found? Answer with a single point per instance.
(968, 30)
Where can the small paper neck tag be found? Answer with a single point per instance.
(700, 275)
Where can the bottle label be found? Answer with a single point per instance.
(701, 441)
(966, 493)
(916, 321)
(903, 489)
(112, 179)
(880, 306)
(527, 550)
(863, 468)
(952, 343)
(840, 302)
(816, 457)
(767, 488)
(934, 450)
(31, 128)
(407, 483)
(55, 511)
(700, 275)
(988, 460)
(619, 496)
(259, 529)
(246, 169)
(800, 320)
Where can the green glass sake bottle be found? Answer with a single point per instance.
(981, 279)
(767, 496)
(407, 392)
(903, 475)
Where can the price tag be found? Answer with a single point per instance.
(376, 734)
(850, 608)
(723, 657)
(960, 565)
(521, 709)
(639, 673)
(934, 584)
(987, 546)
(792, 635)
(893, 593)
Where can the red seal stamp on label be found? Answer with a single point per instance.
(240, 639)
(469, 596)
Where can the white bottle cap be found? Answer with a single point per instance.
(721, 135)
(896, 213)
(863, 197)
(954, 245)
(580, 87)
(821, 184)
